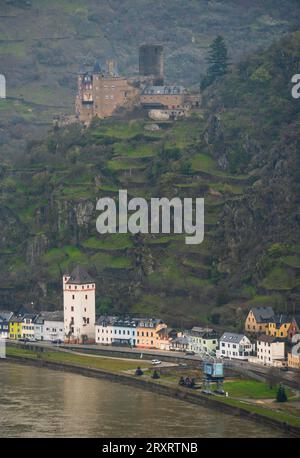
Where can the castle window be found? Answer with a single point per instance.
(73, 297)
(86, 296)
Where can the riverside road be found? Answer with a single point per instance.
(289, 378)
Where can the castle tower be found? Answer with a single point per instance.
(79, 306)
(151, 63)
(111, 67)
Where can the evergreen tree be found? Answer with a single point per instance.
(281, 394)
(217, 60)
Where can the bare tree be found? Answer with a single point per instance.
(272, 377)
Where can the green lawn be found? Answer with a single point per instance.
(107, 364)
(289, 418)
(251, 389)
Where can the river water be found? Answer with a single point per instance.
(37, 402)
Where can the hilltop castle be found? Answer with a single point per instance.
(102, 91)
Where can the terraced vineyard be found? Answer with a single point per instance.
(244, 163)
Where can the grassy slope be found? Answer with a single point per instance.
(107, 364)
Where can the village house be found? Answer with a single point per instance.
(180, 343)
(49, 326)
(124, 332)
(39, 328)
(147, 332)
(139, 332)
(234, 346)
(294, 327)
(79, 307)
(279, 327)
(269, 350)
(202, 340)
(294, 354)
(4, 324)
(104, 329)
(15, 327)
(258, 319)
(28, 326)
(115, 331)
(165, 336)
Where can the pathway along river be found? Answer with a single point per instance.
(38, 402)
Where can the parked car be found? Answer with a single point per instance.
(57, 341)
(23, 340)
(155, 362)
(190, 353)
(32, 339)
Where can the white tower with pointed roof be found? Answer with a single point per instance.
(79, 306)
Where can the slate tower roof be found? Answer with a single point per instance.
(79, 276)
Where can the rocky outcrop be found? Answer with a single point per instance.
(36, 247)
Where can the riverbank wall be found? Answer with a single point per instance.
(175, 392)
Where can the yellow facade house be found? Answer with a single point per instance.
(15, 328)
(258, 320)
(280, 327)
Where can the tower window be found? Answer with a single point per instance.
(73, 297)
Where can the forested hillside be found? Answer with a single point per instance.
(240, 151)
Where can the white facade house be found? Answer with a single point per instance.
(53, 327)
(124, 333)
(270, 351)
(4, 324)
(39, 328)
(28, 326)
(104, 330)
(79, 306)
(234, 346)
(114, 331)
